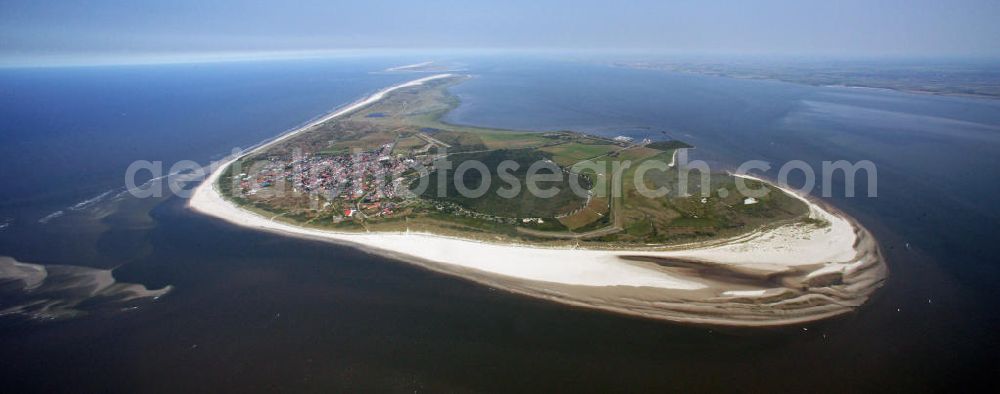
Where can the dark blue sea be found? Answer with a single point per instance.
(247, 311)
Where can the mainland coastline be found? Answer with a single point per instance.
(772, 276)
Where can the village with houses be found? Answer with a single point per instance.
(364, 184)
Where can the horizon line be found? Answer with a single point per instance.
(59, 60)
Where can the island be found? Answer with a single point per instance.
(972, 79)
(388, 176)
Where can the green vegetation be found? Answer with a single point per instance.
(406, 127)
(568, 154)
(521, 205)
(669, 145)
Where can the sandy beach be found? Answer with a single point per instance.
(783, 275)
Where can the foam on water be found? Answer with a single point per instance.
(90, 201)
(48, 218)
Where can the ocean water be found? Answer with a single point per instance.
(247, 311)
(67, 135)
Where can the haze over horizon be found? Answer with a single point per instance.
(37, 32)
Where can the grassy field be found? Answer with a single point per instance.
(595, 209)
(570, 153)
(511, 140)
(409, 143)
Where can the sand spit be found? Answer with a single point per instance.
(785, 275)
(409, 66)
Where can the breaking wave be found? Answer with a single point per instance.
(90, 201)
(48, 218)
(80, 206)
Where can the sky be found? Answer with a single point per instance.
(31, 29)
